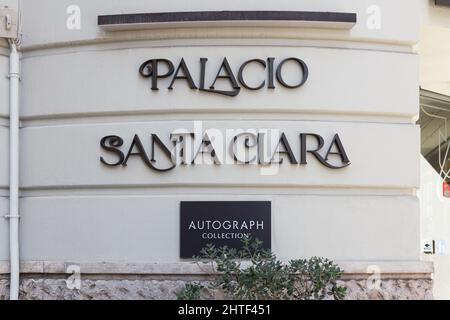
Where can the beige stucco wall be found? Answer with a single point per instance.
(81, 85)
(44, 21)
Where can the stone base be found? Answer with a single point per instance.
(417, 289)
(142, 289)
(46, 280)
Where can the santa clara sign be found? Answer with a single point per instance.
(244, 147)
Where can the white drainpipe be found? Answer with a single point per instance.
(14, 78)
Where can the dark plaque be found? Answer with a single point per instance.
(223, 223)
(443, 3)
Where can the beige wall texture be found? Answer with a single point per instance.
(81, 85)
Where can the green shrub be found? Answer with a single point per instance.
(265, 277)
(191, 291)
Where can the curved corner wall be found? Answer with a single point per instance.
(81, 85)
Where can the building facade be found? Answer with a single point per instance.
(329, 87)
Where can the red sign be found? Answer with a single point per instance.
(446, 189)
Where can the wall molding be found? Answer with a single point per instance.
(352, 269)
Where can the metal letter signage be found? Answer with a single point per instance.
(152, 69)
(223, 223)
(185, 148)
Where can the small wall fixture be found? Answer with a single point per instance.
(8, 23)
